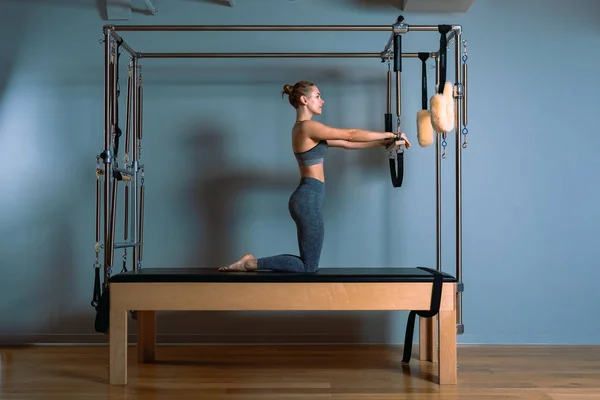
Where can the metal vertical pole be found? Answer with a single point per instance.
(107, 150)
(438, 184)
(126, 160)
(135, 162)
(458, 103)
(140, 209)
(110, 249)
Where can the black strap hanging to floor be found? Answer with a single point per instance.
(434, 308)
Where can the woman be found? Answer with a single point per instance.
(310, 141)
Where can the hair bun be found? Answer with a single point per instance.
(287, 89)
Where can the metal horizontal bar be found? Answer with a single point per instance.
(187, 28)
(260, 55)
(123, 245)
(273, 55)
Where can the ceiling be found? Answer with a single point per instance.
(123, 9)
(436, 6)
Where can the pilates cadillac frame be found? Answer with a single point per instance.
(144, 291)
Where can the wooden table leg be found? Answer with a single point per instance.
(118, 347)
(428, 348)
(447, 366)
(146, 343)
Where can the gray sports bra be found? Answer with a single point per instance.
(313, 156)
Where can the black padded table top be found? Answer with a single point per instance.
(341, 275)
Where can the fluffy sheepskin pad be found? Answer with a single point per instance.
(424, 128)
(442, 110)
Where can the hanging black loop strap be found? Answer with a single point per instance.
(396, 155)
(443, 29)
(434, 308)
(397, 169)
(396, 158)
(423, 57)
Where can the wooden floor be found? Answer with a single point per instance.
(302, 372)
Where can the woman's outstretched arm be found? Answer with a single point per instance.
(318, 131)
(403, 141)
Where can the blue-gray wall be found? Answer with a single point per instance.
(219, 169)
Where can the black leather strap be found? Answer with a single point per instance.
(101, 323)
(397, 169)
(97, 291)
(396, 164)
(118, 131)
(423, 57)
(388, 122)
(434, 308)
(443, 30)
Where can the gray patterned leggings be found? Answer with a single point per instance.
(305, 206)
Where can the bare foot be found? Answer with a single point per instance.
(246, 263)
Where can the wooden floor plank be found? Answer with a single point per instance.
(301, 372)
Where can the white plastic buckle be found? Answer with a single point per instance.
(393, 150)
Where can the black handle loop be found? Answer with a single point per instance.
(397, 170)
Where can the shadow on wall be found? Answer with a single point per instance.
(12, 24)
(215, 187)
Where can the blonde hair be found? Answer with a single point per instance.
(301, 88)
